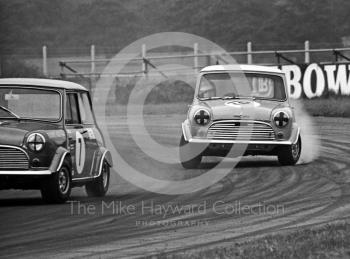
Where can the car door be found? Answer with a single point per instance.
(78, 138)
(91, 135)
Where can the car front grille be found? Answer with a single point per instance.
(13, 159)
(241, 131)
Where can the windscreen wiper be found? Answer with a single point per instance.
(229, 97)
(209, 98)
(10, 112)
(245, 97)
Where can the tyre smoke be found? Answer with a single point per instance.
(309, 134)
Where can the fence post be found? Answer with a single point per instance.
(249, 53)
(144, 64)
(307, 52)
(195, 53)
(45, 61)
(93, 69)
(92, 54)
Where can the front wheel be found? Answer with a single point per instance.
(99, 186)
(57, 187)
(289, 155)
(187, 157)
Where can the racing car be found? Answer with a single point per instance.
(49, 139)
(246, 105)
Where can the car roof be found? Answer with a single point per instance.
(52, 83)
(244, 68)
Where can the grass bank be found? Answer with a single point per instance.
(150, 109)
(330, 107)
(328, 241)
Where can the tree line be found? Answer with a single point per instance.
(27, 24)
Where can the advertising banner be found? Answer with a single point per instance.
(317, 80)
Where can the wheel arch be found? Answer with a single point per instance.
(297, 135)
(106, 155)
(186, 131)
(61, 155)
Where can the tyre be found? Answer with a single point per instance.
(99, 186)
(289, 155)
(186, 152)
(57, 187)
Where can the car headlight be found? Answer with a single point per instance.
(36, 142)
(281, 119)
(202, 117)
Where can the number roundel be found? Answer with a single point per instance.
(281, 119)
(79, 152)
(202, 117)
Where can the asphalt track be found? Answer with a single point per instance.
(288, 197)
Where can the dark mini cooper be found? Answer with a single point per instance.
(49, 139)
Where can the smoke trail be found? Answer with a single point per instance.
(309, 135)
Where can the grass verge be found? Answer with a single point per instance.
(328, 241)
(330, 107)
(150, 109)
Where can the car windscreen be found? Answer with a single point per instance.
(29, 103)
(236, 85)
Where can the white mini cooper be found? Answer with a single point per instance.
(240, 107)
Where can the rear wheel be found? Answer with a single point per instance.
(99, 186)
(57, 187)
(289, 155)
(187, 152)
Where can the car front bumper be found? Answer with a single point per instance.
(209, 141)
(188, 137)
(25, 172)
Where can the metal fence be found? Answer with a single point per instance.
(92, 66)
(87, 64)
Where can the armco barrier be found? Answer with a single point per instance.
(306, 79)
